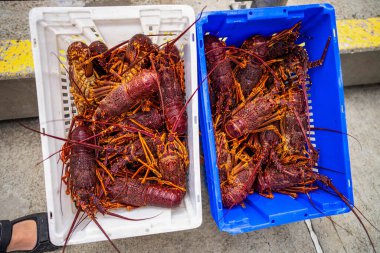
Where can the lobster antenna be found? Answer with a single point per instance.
(50, 156)
(63, 65)
(172, 42)
(360, 212)
(60, 186)
(64, 139)
(70, 230)
(328, 217)
(226, 213)
(324, 168)
(357, 209)
(104, 233)
(339, 132)
(88, 223)
(109, 51)
(343, 198)
(91, 137)
(126, 218)
(81, 219)
(161, 34)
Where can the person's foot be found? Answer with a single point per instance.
(27, 234)
(24, 236)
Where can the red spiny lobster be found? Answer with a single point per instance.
(221, 77)
(171, 92)
(123, 97)
(255, 114)
(132, 193)
(79, 160)
(241, 178)
(81, 75)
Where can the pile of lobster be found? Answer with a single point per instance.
(127, 144)
(261, 116)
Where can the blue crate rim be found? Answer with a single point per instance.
(204, 92)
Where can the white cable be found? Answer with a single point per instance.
(314, 237)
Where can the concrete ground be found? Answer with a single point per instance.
(22, 184)
(22, 192)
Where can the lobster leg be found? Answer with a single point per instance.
(319, 62)
(270, 128)
(149, 157)
(291, 194)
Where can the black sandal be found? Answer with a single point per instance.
(43, 241)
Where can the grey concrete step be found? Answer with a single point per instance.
(360, 45)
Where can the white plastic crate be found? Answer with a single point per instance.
(52, 31)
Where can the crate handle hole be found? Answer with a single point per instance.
(273, 221)
(51, 215)
(201, 43)
(192, 36)
(284, 10)
(250, 13)
(305, 214)
(150, 28)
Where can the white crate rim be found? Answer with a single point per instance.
(194, 215)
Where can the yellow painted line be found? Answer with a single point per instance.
(16, 59)
(360, 34)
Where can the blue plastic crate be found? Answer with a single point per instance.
(327, 103)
